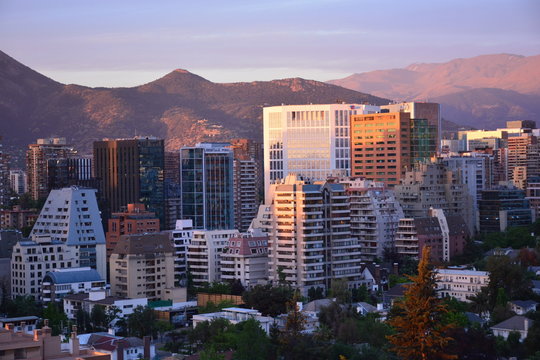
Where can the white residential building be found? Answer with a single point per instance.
(31, 260)
(86, 301)
(71, 215)
(181, 237)
(375, 215)
(235, 315)
(60, 282)
(310, 241)
(204, 254)
(308, 140)
(460, 284)
(245, 258)
(17, 181)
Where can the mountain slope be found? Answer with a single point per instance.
(465, 79)
(181, 107)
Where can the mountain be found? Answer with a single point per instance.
(492, 88)
(181, 107)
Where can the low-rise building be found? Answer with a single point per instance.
(119, 348)
(25, 324)
(245, 258)
(236, 315)
(86, 301)
(58, 283)
(518, 323)
(460, 284)
(521, 307)
(17, 218)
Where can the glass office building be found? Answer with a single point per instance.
(206, 176)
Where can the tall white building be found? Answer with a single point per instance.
(308, 140)
(31, 260)
(71, 216)
(181, 237)
(309, 236)
(17, 181)
(204, 254)
(375, 215)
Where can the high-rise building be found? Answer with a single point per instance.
(375, 215)
(142, 266)
(247, 180)
(135, 220)
(312, 141)
(18, 181)
(381, 146)
(71, 216)
(171, 183)
(204, 254)
(523, 159)
(446, 235)
(425, 128)
(435, 186)
(37, 160)
(4, 176)
(309, 235)
(533, 195)
(207, 186)
(62, 172)
(503, 206)
(32, 259)
(181, 238)
(131, 171)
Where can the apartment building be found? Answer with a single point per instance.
(18, 181)
(204, 254)
(37, 159)
(308, 227)
(142, 266)
(312, 141)
(17, 218)
(71, 216)
(4, 176)
(245, 258)
(181, 238)
(375, 215)
(134, 220)
(460, 284)
(87, 301)
(32, 259)
(533, 196)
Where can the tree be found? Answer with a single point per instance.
(269, 300)
(252, 342)
(57, 318)
(420, 333)
(98, 318)
(82, 318)
(142, 322)
(340, 290)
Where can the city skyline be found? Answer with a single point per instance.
(121, 45)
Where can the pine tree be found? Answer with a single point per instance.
(420, 333)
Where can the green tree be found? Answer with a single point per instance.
(98, 318)
(82, 318)
(57, 318)
(340, 290)
(419, 332)
(269, 300)
(503, 274)
(252, 342)
(142, 322)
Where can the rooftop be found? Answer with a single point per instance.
(76, 275)
(516, 323)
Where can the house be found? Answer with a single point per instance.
(460, 284)
(317, 305)
(26, 324)
(475, 319)
(311, 321)
(394, 293)
(235, 315)
(86, 301)
(536, 286)
(534, 269)
(521, 307)
(518, 323)
(119, 348)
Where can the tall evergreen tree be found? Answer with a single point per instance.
(420, 333)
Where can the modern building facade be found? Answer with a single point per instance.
(207, 186)
(204, 254)
(64, 172)
(38, 156)
(312, 141)
(375, 215)
(533, 196)
(18, 181)
(245, 258)
(142, 266)
(131, 171)
(135, 220)
(71, 216)
(503, 206)
(181, 238)
(310, 242)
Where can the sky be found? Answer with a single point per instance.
(132, 42)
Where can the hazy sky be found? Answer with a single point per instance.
(125, 43)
